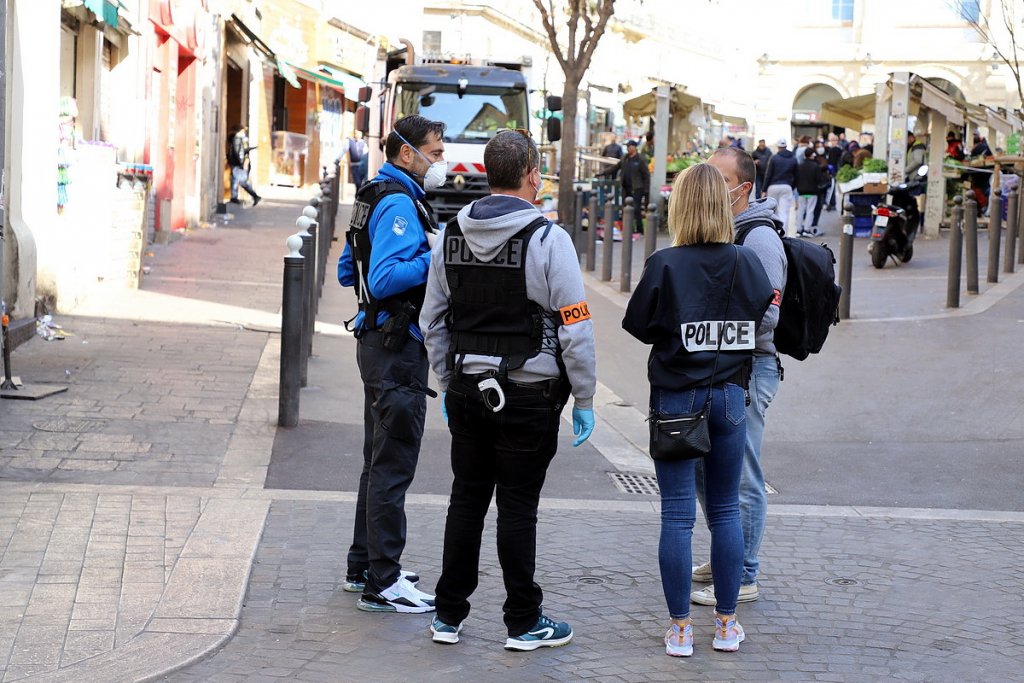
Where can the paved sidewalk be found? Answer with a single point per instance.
(136, 535)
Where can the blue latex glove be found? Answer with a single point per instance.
(444, 408)
(582, 425)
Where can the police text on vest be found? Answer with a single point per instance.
(736, 335)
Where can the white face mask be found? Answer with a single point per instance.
(437, 172)
(733, 202)
(820, 150)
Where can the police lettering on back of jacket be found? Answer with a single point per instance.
(386, 259)
(509, 336)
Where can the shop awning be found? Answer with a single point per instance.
(320, 76)
(998, 123)
(849, 112)
(645, 105)
(105, 10)
(940, 101)
(287, 72)
(726, 118)
(349, 82)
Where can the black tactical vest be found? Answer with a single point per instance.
(360, 246)
(490, 313)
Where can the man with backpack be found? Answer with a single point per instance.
(757, 228)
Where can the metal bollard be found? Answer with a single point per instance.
(313, 215)
(609, 241)
(577, 222)
(971, 241)
(995, 233)
(1011, 230)
(626, 267)
(651, 231)
(289, 380)
(592, 232)
(956, 248)
(303, 224)
(846, 262)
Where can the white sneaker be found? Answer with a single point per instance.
(702, 573)
(706, 595)
(728, 633)
(401, 597)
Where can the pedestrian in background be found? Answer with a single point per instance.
(808, 180)
(509, 335)
(636, 180)
(780, 181)
(238, 159)
(701, 281)
(386, 258)
(756, 229)
(358, 158)
(613, 149)
(761, 156)
(834, 155)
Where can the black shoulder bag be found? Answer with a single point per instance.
(685, 436)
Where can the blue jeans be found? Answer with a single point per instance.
(764, 382)
(677, 480)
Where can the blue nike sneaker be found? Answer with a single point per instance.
(545, 633)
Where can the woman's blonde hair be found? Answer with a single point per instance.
(698, 208)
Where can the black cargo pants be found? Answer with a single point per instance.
(394, 386)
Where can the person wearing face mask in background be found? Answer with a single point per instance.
(509, 336)
(757, 228)
(386, 259)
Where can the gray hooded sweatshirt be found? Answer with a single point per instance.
(553, 281)
(766, 244)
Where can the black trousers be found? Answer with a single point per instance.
(394, 386)
(508, 452)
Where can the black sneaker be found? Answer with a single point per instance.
(256, 200)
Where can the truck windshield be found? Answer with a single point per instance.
(474, 117)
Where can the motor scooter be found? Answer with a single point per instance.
(896, 224)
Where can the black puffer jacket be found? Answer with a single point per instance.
(781, 169)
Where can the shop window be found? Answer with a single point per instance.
(969, 10)
(842, 10)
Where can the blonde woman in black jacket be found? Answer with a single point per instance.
(698, 304)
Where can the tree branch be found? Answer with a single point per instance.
(549, 28)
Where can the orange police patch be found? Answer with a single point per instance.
(574, 313)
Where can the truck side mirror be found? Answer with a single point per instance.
(554, 103)
(554, 129)
(363, 119)
(364, 94)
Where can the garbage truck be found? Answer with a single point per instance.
(474, 99)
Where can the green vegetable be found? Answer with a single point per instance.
(681, 163)
(846, 173)
(875, 166)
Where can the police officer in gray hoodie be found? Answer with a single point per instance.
(757, 228)
(508, 334)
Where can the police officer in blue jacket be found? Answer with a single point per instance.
(386, 259)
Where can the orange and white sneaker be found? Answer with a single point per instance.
(728, 633)
(679, 642)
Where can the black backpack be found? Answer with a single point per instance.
(810, 302)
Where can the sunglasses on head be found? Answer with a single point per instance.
(526, 134)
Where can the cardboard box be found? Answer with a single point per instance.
(875, 188)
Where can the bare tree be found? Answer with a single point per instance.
(1005, 46)
(587, 20)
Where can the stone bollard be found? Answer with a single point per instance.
(626, 266)
(995, 233)
(651, 231)
(592, 232)
(290, 381)
(846, 263)
(313, 214)
(1011, 230)
(956, 240)
(971, 241)
(608, 241)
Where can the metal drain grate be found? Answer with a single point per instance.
(639, 484)
(69, 425)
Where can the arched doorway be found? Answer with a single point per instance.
(948, 88)
(807, 111)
